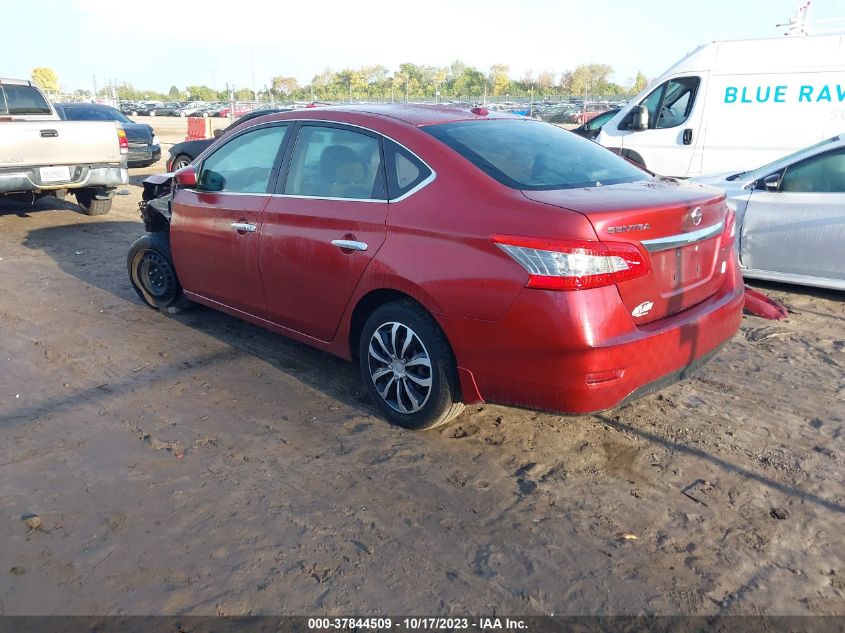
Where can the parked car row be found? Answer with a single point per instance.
(186, 109)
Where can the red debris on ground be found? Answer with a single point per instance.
(761, 305)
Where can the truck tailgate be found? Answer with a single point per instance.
(35, 143)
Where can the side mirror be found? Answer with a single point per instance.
(640, 118)
(186, 177)
(217, 133)
(772, 182)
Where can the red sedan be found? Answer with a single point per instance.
(458, 256)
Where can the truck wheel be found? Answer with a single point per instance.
(408, 366)
(91, 204)
(152, 273)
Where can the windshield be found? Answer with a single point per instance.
(90, 113)
(532, 155)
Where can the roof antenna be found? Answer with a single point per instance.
(798, 23)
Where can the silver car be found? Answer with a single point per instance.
(791, 216)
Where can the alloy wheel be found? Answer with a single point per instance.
(400, 367)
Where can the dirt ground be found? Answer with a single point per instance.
(195, 464)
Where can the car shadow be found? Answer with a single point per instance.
(106, 269)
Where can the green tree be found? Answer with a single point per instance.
(46, 79)
(499, 79)
(640, 83)
(284, 85)
(590, 79)
(174, 94)
(201, 93)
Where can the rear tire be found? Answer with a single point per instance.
(408, 366)
(91, 204)
(153, 275)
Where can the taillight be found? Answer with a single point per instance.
(574, 264)
(729, 235)
(122, 141)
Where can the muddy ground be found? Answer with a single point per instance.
(194, 464)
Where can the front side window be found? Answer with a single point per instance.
(533, 155)
(244, 164)
(22, 100)
(824, 173)
(331, 162)
(670, 104)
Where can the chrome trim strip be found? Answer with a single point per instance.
(290, 195)
(350, 245)
(405, 195)
(683, 239)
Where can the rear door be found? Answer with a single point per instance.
(215, 227)
(323, 227)
(799, 228)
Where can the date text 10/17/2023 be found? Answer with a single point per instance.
(418, 624)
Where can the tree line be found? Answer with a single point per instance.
(409, 82)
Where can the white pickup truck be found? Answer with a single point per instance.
(40, 155)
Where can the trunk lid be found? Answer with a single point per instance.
(678, 225)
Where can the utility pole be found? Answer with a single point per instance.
(254, 92)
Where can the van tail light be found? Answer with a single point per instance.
(574, 264)
(729, 236)
(122, 141)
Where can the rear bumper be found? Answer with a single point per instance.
(580, 352)
(28, 179)
(143, 155)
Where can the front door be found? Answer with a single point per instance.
(799, 228)
(215, 227)
(674, 127)
(323, 227)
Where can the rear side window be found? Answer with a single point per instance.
(534, 155)
(22, 100)
(404, 170)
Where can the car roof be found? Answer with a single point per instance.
(412, 113)
(83, 104)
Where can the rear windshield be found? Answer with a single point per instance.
(22, 100)
(533, 155)
(93, 113)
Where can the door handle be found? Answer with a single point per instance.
(350, 245)
(243, 226)
(687, 136)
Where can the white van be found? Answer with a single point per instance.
(735, 106)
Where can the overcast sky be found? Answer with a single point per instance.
(154, 44)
